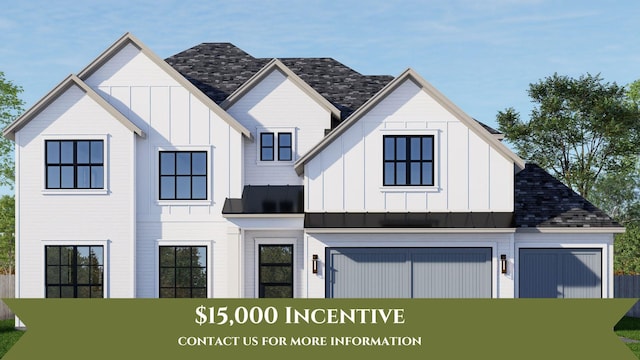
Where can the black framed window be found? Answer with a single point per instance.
(267, 146)
(275, 271)
(183, 175)
(74, 164)
(270, 143)
(74, 271)
(408, 160)
(285, 147)
(183, 271)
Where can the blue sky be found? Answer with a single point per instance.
(481, 54)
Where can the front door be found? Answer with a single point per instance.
(275, 271)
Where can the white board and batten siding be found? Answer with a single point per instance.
(75, 217)
(470, 175)
(174, 119)
(277, 104)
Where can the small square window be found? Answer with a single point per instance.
(276, 146)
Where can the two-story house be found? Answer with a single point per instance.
(216, 174)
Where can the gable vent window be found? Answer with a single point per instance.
(183, 175)
(408, 160)
(276, 146)
(74, 164)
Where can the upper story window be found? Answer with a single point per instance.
(408, 160)
(276, 146)
(183, 175)
(74, 164)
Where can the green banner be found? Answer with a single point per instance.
(319, 328)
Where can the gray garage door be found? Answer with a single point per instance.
(560, 273)
(408, 273)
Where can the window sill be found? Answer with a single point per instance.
(274, 163)
(430, 188)
(75, 192)
(184, 202)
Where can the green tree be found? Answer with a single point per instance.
(579, 129)
(10, 107)
(626, 250)
(7, 235)
(618, 194)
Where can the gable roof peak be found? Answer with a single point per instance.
(277, 65)
(129, 38)
(410, 74)
(70, 81)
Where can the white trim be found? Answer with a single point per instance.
(259, 216)
(76, 137)
(134, 217)
(257, 241)
(156, 261)
(269, 223)
(410, 230)
(106, 273)
(571, 230)
(155, 175)
(606, 288)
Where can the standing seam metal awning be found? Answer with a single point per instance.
(410, 220)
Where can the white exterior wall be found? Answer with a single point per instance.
(317, 243)
(174, 119)
(278, 104)
(601, 241)
(469, 174)
(75, 217)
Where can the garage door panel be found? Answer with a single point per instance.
(560, 273)
(539, 273)
(369, 274)
(452, 273)
(409, 272)
(582, 275)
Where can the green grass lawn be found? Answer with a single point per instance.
(8, 336)
(629, 327)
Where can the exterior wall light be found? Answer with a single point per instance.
(314, 263)
(503, 263)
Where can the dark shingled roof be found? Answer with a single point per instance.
(218, 69)
(488, 128)
(543, 201)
